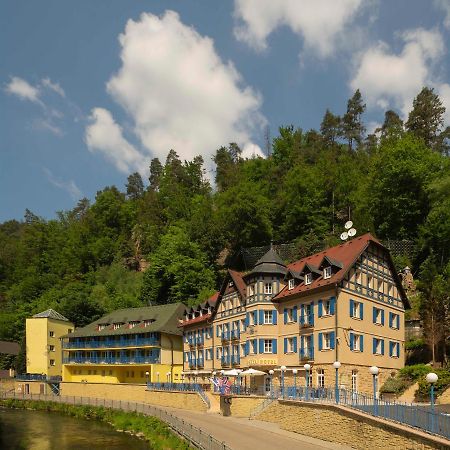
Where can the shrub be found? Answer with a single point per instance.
(415, 372)
(443, 382)
(394, 385)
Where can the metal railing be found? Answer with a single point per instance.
(186, 387)
(37, 377)
(111, 343)
(110, 360)
(195, 436)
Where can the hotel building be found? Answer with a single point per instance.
(343, 304)
(131, 345)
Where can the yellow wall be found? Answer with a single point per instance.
(39, 342)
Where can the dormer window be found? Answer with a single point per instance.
(209, 309)
(327, 272)
(308, 278)
(291, 284)
(101, 326)
(267, 288)
(230, 284)
(149, 321)
(116, 326)
(187, 318)
(133, 323)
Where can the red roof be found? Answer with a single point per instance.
(199, 319)
(346, 253)
(213, 298)
(238, 281)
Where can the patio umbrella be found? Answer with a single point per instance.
(231, 373)
(252, 372)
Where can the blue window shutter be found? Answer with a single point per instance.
(391, 347)
(294, 344)
(398, 349)
(285, 316)
(382, 346)
(352, 307)
(332, 339)
(294, 313)
(320, 308)
(374, 315)
(361, 343)
(311, 316)
(302, 346)
(382, 317)
(361, 311)
(274, 346)
(255, 317)
(302, 314)
(261, 317)
(261, 346)
(247, 319)
(217, 330)
(320, 341)
(247, 348)
(374, 349)
(274, 317)
(398, 321)
(352, 341)
(391, 317)
(285, 345)
(332, 305)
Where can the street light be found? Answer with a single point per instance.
(147, 375)
(214, 380)
(283, 369)
(432, 378)
(337, 365)
(294, 372)
(157, 376)
(374, 370)
(271, 382)
(307, 368)
(169, 377)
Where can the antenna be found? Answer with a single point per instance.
(351, 232)
(348, 224)
(344, 236)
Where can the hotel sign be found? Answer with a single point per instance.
(262, 362)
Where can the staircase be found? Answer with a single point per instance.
(260, 408)
(214, 404)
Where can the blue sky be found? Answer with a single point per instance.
(90, 91)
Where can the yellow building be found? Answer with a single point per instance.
(344, 304)
(131, 345)
(43, 344)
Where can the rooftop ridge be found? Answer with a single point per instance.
(50, 314)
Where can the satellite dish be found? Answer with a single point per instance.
(348, 224)
(351, 232)
(344, 236)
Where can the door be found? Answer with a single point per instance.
(27, 389)
(42, 389)
(267, 385)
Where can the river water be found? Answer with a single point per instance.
(38, 430)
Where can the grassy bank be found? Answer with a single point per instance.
(156, 432)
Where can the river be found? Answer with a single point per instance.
(38, 430)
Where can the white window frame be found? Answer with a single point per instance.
(51, 333)
(378, 347)
(254, 346)
(290, 346)
(395, 352)
(268, 317)
(326, 341)
(327, 272)
(116, 326)
(308, 278)
(51, 348)
(356, 310)
(370, 281)
(356, 342)
(290, 315)
(291, 284)
(268, 289)
(268, 347)
(52, 362)
(358, 277)
(354, 381)
(326, 308)
(320, 378)
(394, 321)
(378, 317)
(251, 290)
(242, 349)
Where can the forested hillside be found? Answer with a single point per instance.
(178, 227)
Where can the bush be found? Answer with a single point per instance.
(405, 378)
(394, 385)
(415, 372)
(443, 382)
(415, 344)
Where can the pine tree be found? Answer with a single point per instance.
(352, 127)
(329, 127)
(135, 186)
(392, 126)
(156, 170)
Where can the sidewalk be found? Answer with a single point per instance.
(245, 434)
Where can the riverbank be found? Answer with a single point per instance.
(153, 430)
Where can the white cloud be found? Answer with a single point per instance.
(178, 92)
(393, 80)
(444, 6)
(105, 135)
(318, 22)
(251, 150)
(69, 186)
(22, 89)
(45, 124)
(55, 87)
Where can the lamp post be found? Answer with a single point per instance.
(169, 378)
(294, 372)
(157, 377)
(337, 365)
(283, 369)
(214, 379)
(374, 370)
(307, 368)
(432, 378)
(147, 375)
(271, 382)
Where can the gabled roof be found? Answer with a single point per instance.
(211, 301)
(238, 280)
(195, 320)
(294, 274)
(270, 263)
(51, 314)
(330, 262)
(164, 317)
(308, 267)
(347, 253)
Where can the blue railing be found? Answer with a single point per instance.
(38, 377)
(199, 340)
(235, 334)
(306, 354)
(111, 343)
(188, 387)
(111, 360)
(225, 360)
(226, 335)
(235, 359)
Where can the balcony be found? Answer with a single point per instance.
(111, 343)
(306, 354)
(235, 360)
(111, 360)
(199, 341)
(235, 335)
(226, 335)
(192, 364)
(306, 323)
(200, 362)
(225, 361)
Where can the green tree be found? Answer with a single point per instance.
(135, 186)
(352, 126)
(330, 127)
(156, 171)
(392, 127)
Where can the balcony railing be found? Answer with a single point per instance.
(225, 361)
(235, 334)
(306, 354)
(111, 360)
(235, 360)
(307, 322)
(200, 362)
(111, 343)
(199, 340)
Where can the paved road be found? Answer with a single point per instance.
(244, 434)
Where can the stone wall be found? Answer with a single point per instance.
(444, 399)
(343, 426)
(135, 393)
(243, 406)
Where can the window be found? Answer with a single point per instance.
(356, 309)
(320, 378)
(253, 347)
(230, 284)
(356, 342)
(101, 326)
(110, 372)
(326, 341)
(378, 316)
(390, 290)
(268, 317)
(291, 284)
(394, 321)
(267, 288)
(267, 345)
(378, 346)
(289, 315)
(354, 380)
(308, 278)
(242, 324)
(327, 308)
(242, 349)
(251, 290)
(52, 348)
(290, 345)
(394, 349)
(133, 323)
(380, 285)
(358, 278)
(116, 326)
(327, 272)
(69, 330)
(369, 282)
(51, 333)
(52, 362)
